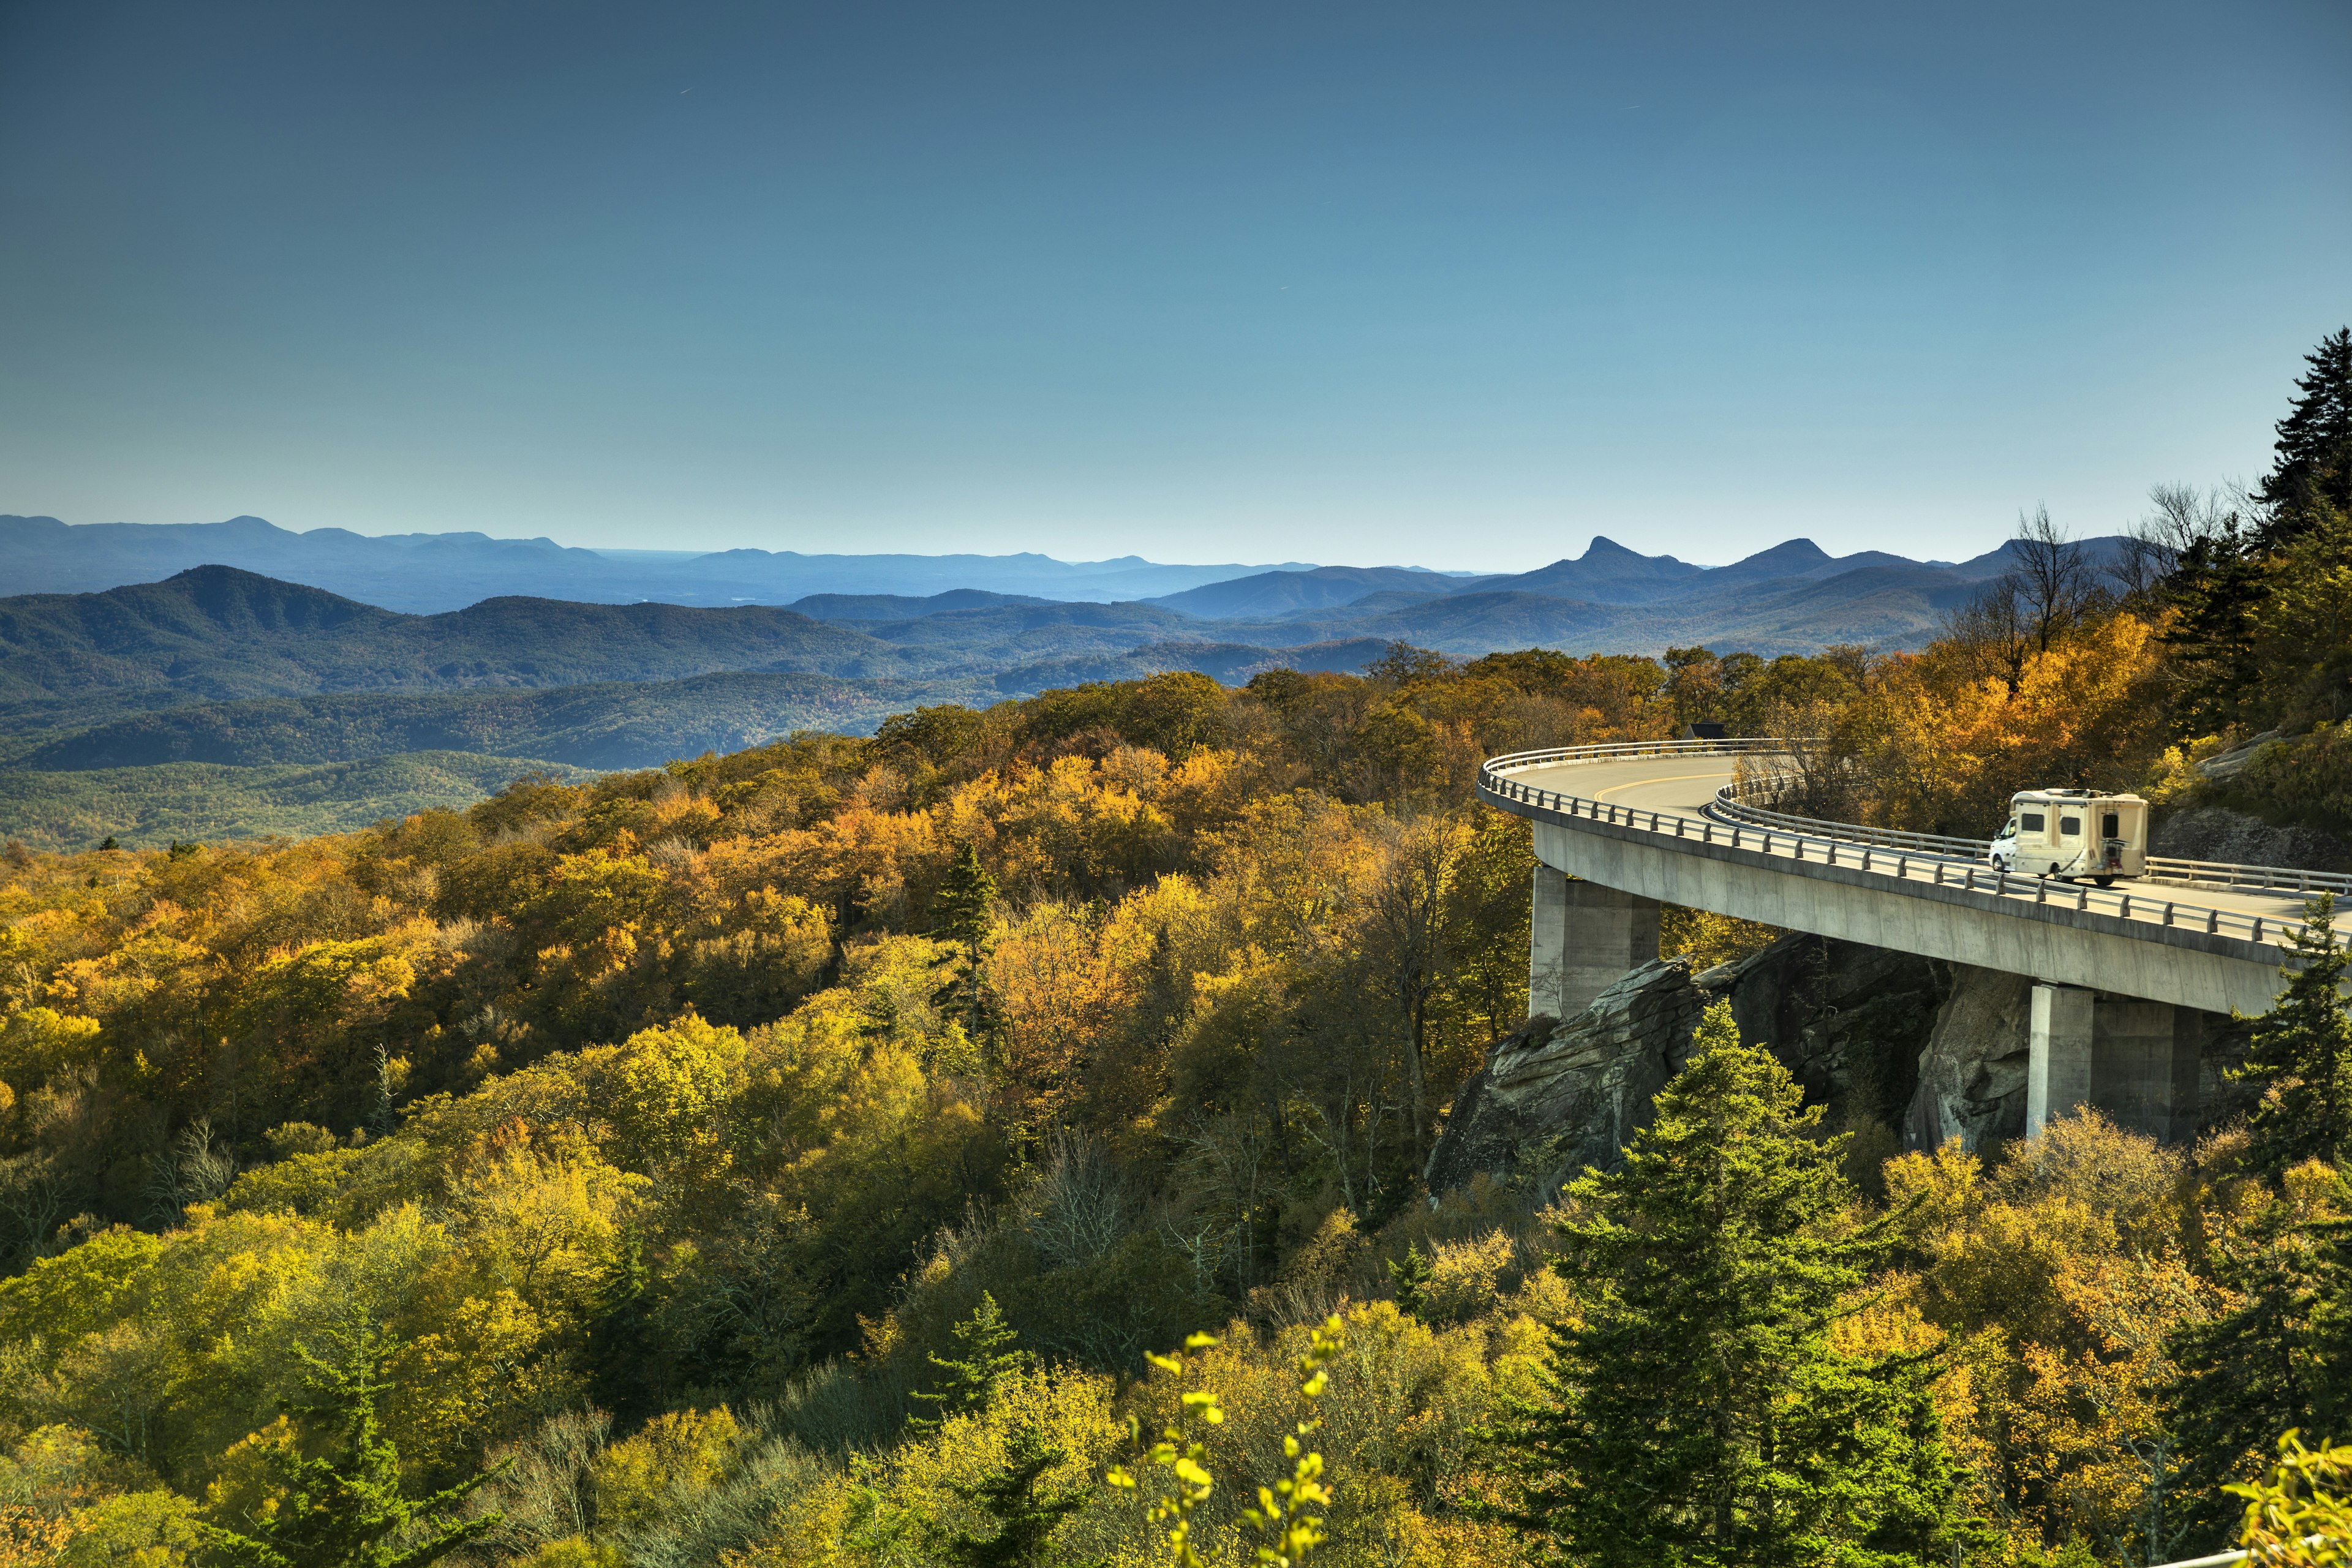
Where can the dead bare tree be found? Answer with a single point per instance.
(2057, 586)
(1818, 773)
(2180, 517)
(1989, 632)
(2051, 588)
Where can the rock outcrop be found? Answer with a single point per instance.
(2217, 832)
(1925, 1049)
(1560, 1095)
(1848, 1021)
(1972, 1071)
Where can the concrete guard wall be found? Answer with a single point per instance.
(2101, 953)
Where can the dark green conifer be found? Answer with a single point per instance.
(2218, 584)
(2314, 441)
(343, 1508)
(2280, 1358)
(1024, 1518)
(2300, 1057)
(1411, 1276)
(969, 1381)
(962, 913)
(1695, 1412)
(628, 1353)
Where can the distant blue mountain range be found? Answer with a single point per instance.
(390, 663)
(427, 573)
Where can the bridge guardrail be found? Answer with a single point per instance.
(1728, 803)
(1964, 870)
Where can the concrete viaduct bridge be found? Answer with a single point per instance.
(2125, 975)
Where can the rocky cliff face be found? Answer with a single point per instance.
(1929, 1050)
(1556, 1097)
(2216, 833)
(1848, 1021)
(1971, 1082)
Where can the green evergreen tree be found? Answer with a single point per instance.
(1411, 1276)
(969, 1381)
(2221, 581)
(2314, 441)
(2217, 585)
(963, 913)
(628, 1353)
(343, 1508)
(2279, 1359)
(2300, 1057)
(1024, 1518)
(1694, 1411)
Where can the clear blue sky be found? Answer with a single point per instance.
(1454, 284)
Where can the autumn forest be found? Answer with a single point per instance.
(997, 1141)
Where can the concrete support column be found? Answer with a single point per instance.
(2058, 1063)
(1581, 939)
(2143, 1066)
(2136, 1062)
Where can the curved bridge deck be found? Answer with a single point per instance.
(1637, 819)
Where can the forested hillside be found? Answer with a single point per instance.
(819, 1153)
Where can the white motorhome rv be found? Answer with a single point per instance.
(2072, 833)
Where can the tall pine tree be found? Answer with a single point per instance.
(2221, 580)
(1695, 1412)
(343, 1508)
(969, 1381)
(2279, 1358)
(963, 914)
(2314, 441)
(2218, 584)
(1024, 1517)
(2280, 1355)
(2300, 1057)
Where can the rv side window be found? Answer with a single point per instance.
(2030, 822)
(2111, 825)
(2070, 826)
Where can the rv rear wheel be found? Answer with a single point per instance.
(2104, 881)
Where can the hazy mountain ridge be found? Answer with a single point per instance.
(424, 574)
(1608, 574)
(603, 725)
(221, 634)
(1280, 592)
(158, 696)
(151, 806)
(903, 606)
(222, 666)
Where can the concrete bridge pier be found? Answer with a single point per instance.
(1583, 937)
(2135, 1061)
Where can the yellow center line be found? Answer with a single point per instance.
(1638, 784)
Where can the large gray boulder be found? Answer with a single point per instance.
(1558, 1095)
(1972, 1072)
(1848, 1021)
(2233, 837)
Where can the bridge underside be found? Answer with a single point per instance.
(2185, 968)
(2118, 1020)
